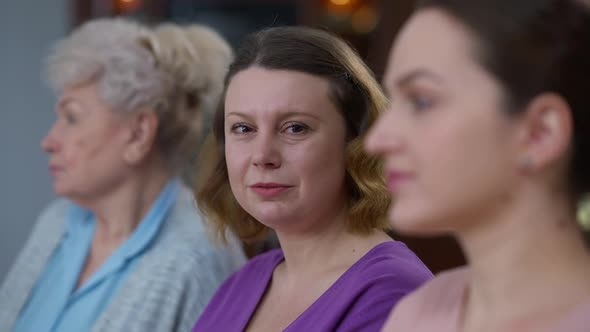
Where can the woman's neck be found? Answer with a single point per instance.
(328, 247)
(120, 211)
(529, 262)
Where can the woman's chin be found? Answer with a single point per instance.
(412, 223)
(59, 190)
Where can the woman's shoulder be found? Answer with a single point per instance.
(189, 253)
(447, 288)
(384, 275)
(256, 272)
(48, 229)
(52, 218)
(240, 293)
(577, 320)
(56, 209)
(439, 300)
(259, 266)
(394, 260)
(185, 214)
(185, 230)
(184, 248)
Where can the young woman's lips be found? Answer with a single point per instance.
(269, 190)
(396, 179)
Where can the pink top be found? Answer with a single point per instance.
(438, 306)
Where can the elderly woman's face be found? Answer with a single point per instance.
(284, 147)
(86, 145)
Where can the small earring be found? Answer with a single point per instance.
(526, 163)
(129, 156)
(583, 213)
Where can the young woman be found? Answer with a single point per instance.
(486, 138)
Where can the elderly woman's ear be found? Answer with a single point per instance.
(143, 130)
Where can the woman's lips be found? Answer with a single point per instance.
(268, 190)
(395, 179)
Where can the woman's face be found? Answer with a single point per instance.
(449, 147)
(284, 147)
(86, 145)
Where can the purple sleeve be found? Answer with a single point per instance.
(384, 289)
(372, 309)
(233, 303)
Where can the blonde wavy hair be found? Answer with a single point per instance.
(175, 71)
(356, 93)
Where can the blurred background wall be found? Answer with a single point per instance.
(27, 28)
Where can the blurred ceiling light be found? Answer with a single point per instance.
(364, 20)
(340, 7)
(341, 2)
(126, 6)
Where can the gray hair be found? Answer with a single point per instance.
(175, 71)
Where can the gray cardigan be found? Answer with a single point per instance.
(166, 291)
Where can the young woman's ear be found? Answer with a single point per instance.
(547, 129)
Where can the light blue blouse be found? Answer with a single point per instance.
(55, 304)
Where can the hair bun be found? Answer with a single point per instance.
(195, 56)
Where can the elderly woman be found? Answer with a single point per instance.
(126, 250)
(487, 139)
(290, 158)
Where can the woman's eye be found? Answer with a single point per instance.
(421, 103)
(296, 128)
(240, 128)
(71, 119)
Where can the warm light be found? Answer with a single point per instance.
(340, 2)
(127, 6)
(364, 20)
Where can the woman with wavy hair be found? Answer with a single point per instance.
(288, 157)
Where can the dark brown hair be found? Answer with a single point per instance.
(354, 91)
(532, 47)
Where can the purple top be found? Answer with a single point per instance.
(360, 300)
